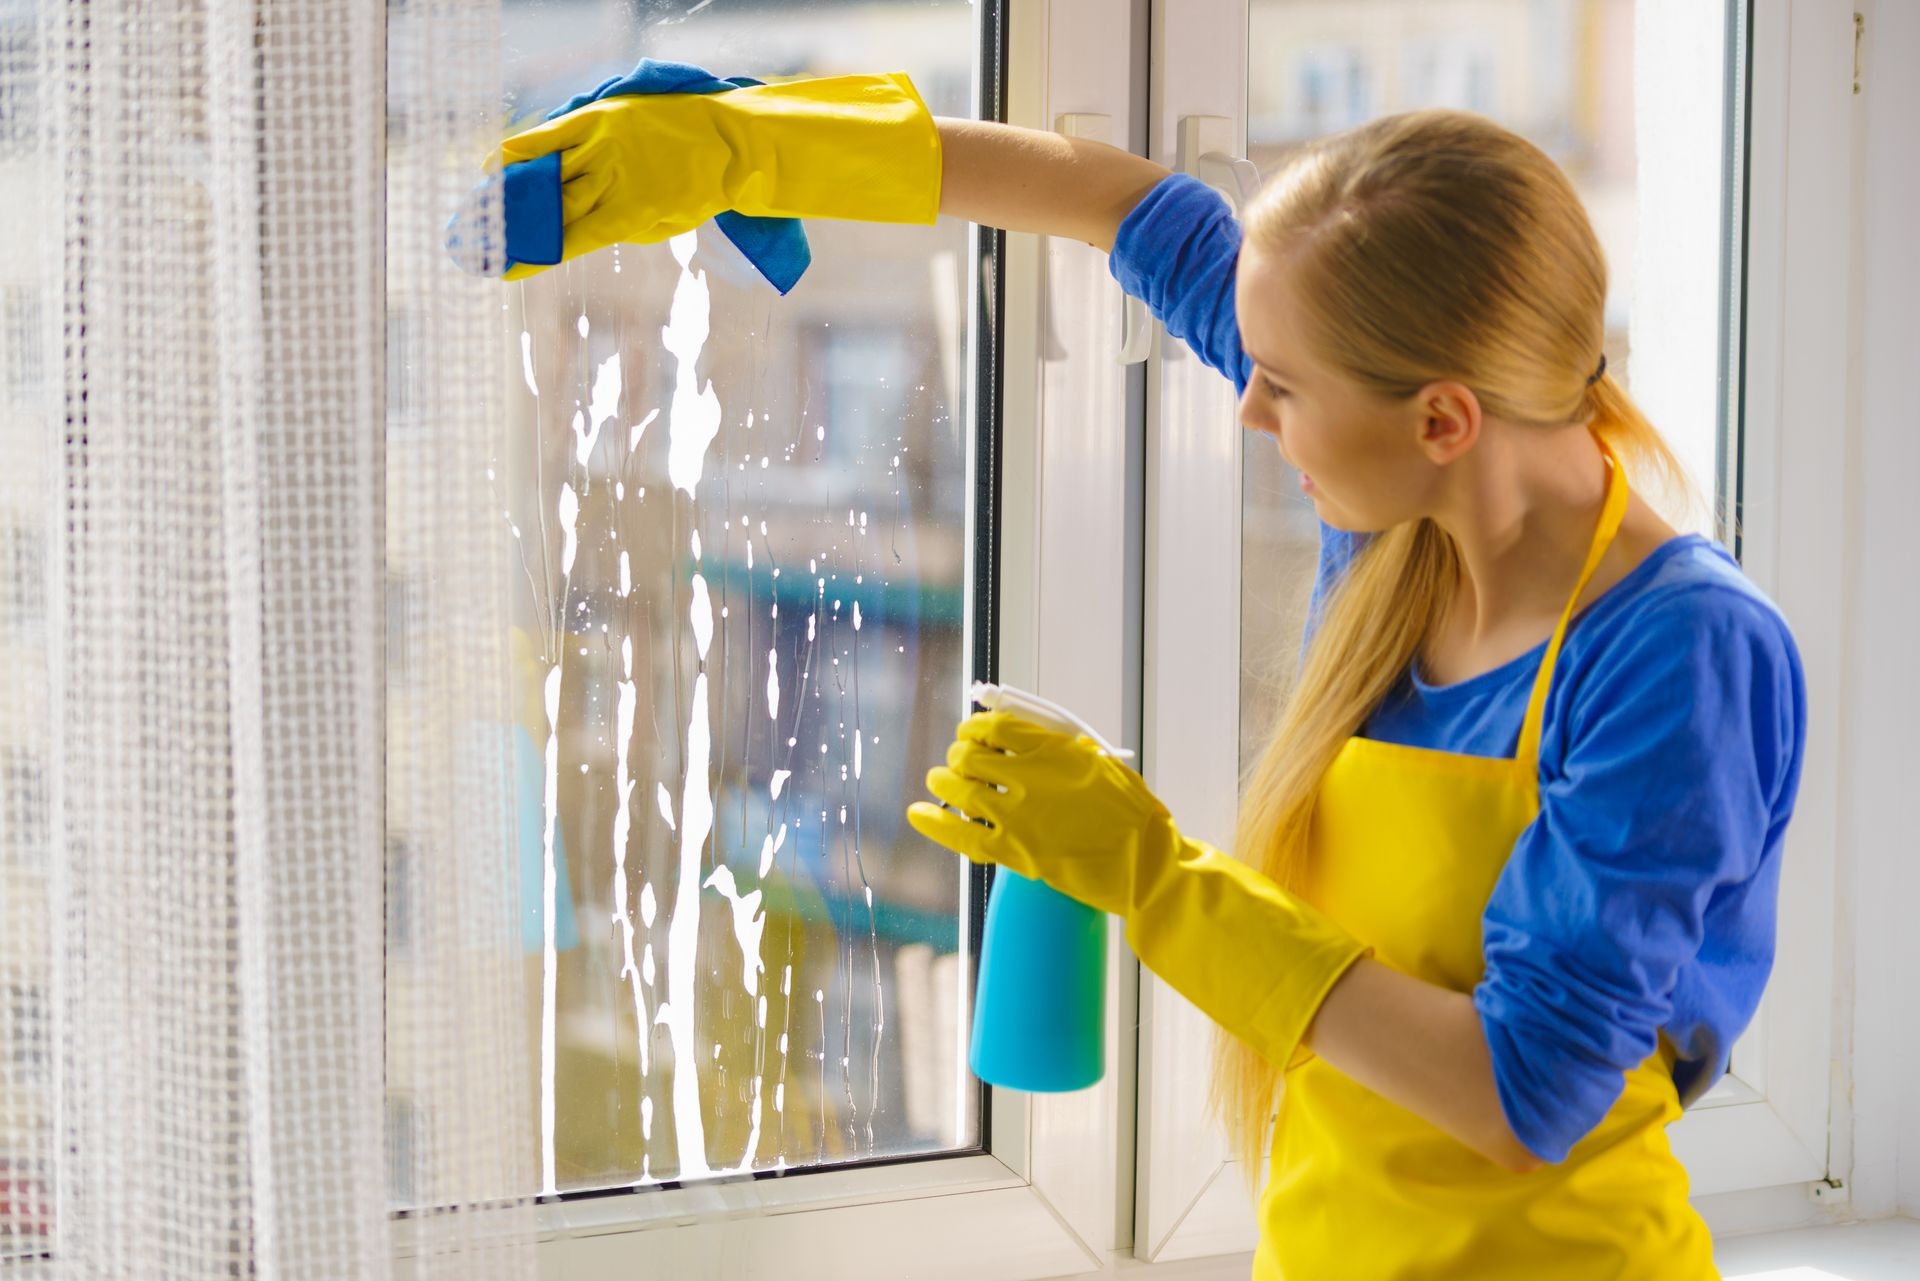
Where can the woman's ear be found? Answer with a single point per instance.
(1449, 420)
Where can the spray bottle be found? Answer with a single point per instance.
(1039, 1016)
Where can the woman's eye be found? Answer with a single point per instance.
(1272, 389)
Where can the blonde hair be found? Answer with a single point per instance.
(1423, 245)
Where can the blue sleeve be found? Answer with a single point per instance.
(1177, 251)
(1673, 777)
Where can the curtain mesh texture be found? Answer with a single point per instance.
(239, 1031)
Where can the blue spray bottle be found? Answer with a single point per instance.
(1039, 1015)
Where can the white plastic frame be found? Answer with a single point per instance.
(1190, 1199)
(1769, 1125)
(1073, 1183)
(1786, 1130)
(1053, 1196)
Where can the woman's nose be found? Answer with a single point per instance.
(1251, 415)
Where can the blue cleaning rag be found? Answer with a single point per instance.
(777, 247)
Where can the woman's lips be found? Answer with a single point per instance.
(1306, 483)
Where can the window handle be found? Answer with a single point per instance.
(1136, 330)
(1136, 322)
(1208, 151)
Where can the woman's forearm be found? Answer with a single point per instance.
(1030, 180)
(1422, 1047)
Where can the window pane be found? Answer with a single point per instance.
(1561, 73)
(740, 524)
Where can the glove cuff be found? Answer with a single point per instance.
(862, 147)
(1255, 958)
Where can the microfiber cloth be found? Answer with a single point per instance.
(777, 247)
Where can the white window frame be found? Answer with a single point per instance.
(1773, 1128)
(1758, 1148)
(1076, 1183)
(1191, 1198)
(1053, 1194)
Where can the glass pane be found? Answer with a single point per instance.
(1562, 74)
(740, 522)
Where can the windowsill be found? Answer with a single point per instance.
(1879, 1250)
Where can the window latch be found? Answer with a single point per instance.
(1209, 151)
(1136, 322)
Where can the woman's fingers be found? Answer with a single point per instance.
(988, 764)
(569, 130)
(612, 223)
(579, 195)
(521, 270)
(971, 796)
(595, 230)
(944, 827)
(1006, 732)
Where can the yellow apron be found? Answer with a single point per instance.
(1406, 847)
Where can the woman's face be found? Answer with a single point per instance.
(1361, 458)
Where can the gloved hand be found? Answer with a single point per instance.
(1255, 958)
(642, 165)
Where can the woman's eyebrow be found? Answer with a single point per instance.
(1271, 368)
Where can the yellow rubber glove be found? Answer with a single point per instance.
(646, 167)
(1255, 958)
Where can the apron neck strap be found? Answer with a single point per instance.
(1611, 513)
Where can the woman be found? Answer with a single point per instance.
(1507, 869)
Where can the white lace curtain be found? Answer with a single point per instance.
(236, 1027)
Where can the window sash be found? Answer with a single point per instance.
(1768, 1124)
(1046, 1198)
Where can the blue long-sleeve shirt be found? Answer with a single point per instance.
(1642, 898)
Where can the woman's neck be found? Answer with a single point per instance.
(1521, 509)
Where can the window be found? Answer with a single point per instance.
(1583, 117)
(403, 343)
(1447, 68)
(740, 589)
(1661, 229)
(847, 452)
(866, 376)
(1655, 113)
